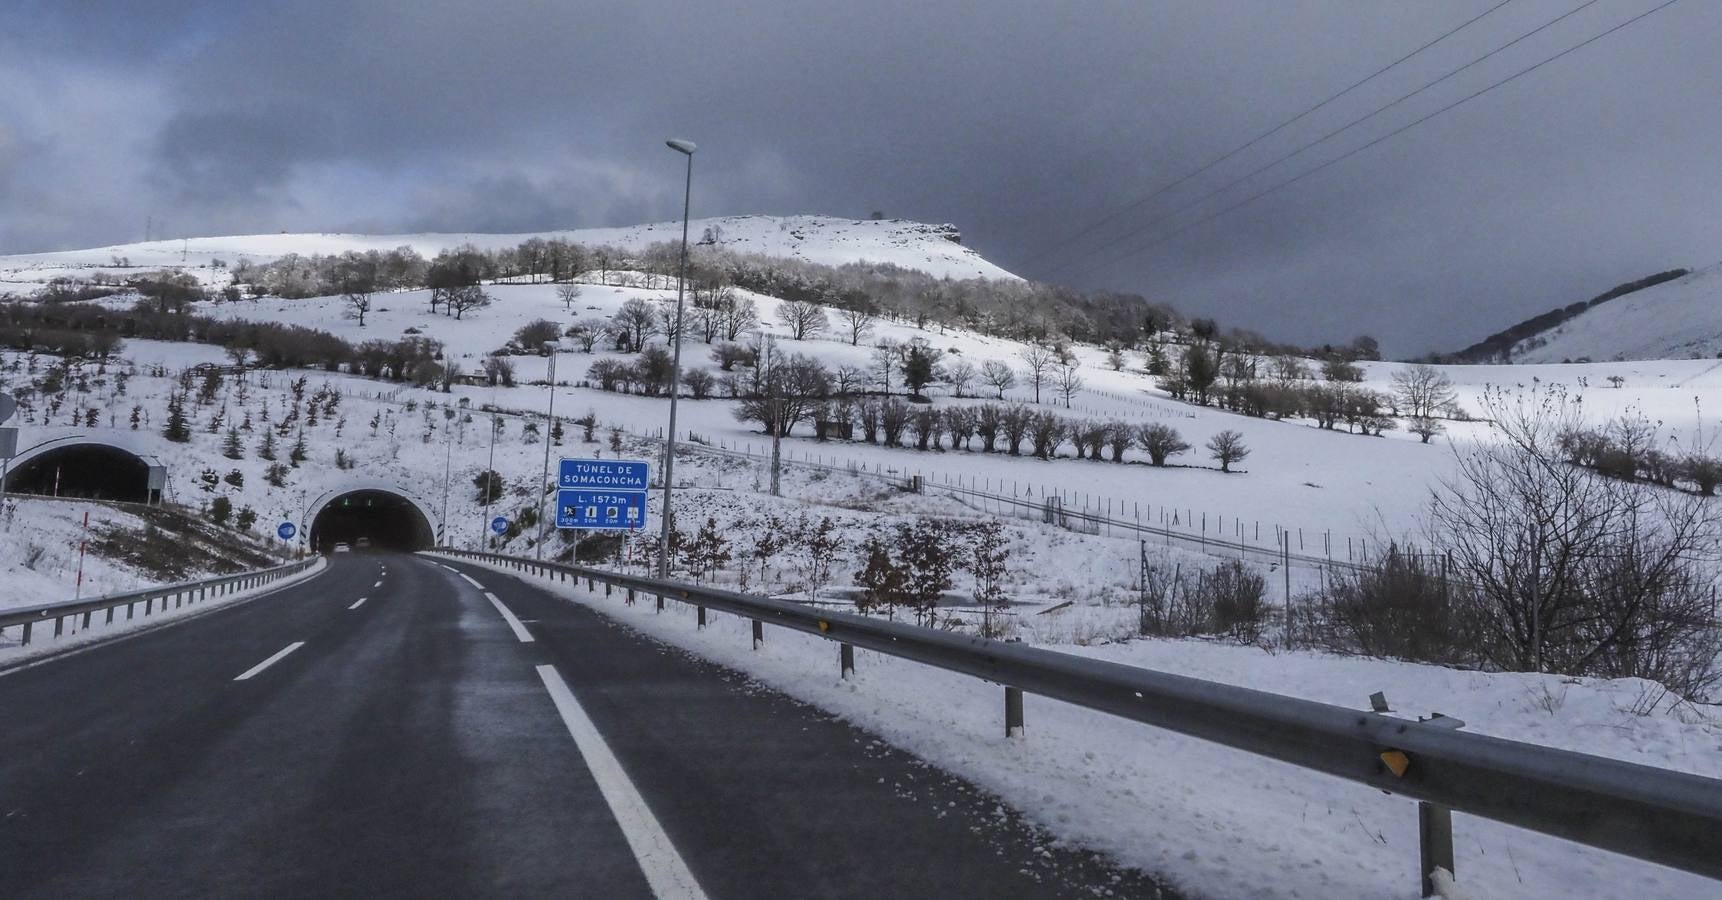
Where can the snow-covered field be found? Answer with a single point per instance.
(1220, 822)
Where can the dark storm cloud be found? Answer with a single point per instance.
(1021, 122)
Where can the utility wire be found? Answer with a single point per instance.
(1137, 204)
(1397, 131)
(1169, 215)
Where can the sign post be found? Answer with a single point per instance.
(602, 494)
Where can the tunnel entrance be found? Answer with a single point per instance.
(370, 517)
(83, 471)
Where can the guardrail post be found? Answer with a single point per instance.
(630, 600)
(110, 616)
(26, 632)
(86, 621)
(846, 659)
(129, 610)
(660, 603)
(1013, 712)
(758, 634)
(148, 601)
(1435, 840)
(59, 624)
(702, 622)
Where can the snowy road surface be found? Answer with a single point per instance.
(418, 744)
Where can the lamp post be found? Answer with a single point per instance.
(686, 148)
(549, 426)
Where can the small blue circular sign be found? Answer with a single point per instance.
(287, 530)
(499, 524)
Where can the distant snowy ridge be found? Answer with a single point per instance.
(1679, 319)
(934, 249)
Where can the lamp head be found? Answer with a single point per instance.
(681, 146)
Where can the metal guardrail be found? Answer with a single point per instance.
(1658, 815)
(181, 594)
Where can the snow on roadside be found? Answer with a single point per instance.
(1221, 822)
(44, 643)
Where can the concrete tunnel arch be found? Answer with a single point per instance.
(385, 514)
(87, 468)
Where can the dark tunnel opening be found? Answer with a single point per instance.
(84, 471)
(374, 518)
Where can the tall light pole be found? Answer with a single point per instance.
(686, 148)
(550, 425)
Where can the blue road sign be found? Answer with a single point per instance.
(601, 510)
(603, 474)
(499, 524)
(287, 530)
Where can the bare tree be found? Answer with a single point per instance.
(1425, 427)
(589, 331)
(358, 303)
(740, 317)
(959, 376)
(1039, 360)
(1569, 570)
(568, 293)
(1227, 447)
(998, 376)
(1422, 391)
(1160, 441)
(636, 320)
(858, 321)
(804, 320)
(461, 299)
(1068, 381)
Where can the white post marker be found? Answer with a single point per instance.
(665, 871)
(279, 655)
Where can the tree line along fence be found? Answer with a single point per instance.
(1216, 534)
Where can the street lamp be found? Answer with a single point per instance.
(549, 427)
(686, 148)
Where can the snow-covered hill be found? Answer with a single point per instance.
(1680, 319)
(934, 249)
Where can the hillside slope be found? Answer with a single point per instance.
(1679, 319)
(934, 249)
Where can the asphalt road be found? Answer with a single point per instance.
(469, 735)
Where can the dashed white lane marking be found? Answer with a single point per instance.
(377, 585)
(514, 623)
(471, 581)
(279, 655)
(358, 603)
(665, 871)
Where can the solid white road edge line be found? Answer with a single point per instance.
(279, 655)
(664, 868)
(514, 623)
(360, 602)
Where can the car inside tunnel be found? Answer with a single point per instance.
(373, 518)
(83, 471)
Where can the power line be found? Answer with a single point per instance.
(1397, 131)
(1260, 137)
(1169, 215)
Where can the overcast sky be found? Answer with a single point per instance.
(1022, 123)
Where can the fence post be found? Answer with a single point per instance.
(846, 659)
(1435, 841)
(1013, 712)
